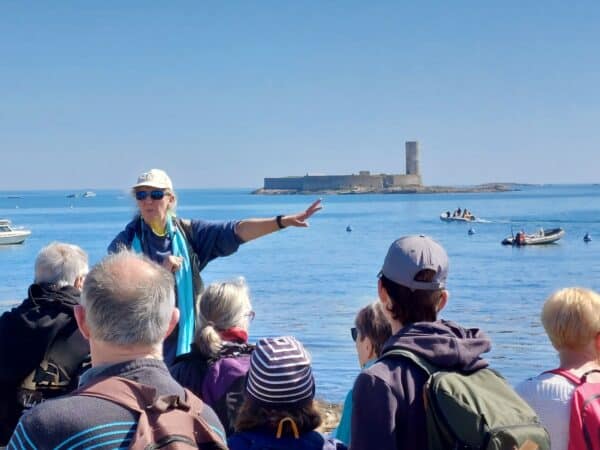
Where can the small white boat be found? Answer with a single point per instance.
(541, 237)
(450, 218)
(10, 235)
(88, 194)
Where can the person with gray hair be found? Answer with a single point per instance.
(216, 368)
(126, 311)
(42, 351)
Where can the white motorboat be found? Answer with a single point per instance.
(88, 194)
(10, 235)
(540, 237)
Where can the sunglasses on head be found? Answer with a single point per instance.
(154, 195)
(354, 333)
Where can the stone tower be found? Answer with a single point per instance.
(412, 158)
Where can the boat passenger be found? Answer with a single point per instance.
(185, 247)
(371, 330)
(41, 331)
(279, 410)
(215, 370)
(570, 318)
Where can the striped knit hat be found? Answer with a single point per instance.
(280, 373)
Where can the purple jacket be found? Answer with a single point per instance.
(219, 382)
(388, 411)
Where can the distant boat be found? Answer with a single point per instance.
(348, 228)
(450, 218)
(71, 195)
(471, 231)
(587, 238)
(10, 235)
(539, 238)
(88, 194)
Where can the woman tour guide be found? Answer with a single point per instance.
(185, 247)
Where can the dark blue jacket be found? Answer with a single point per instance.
(208, 240)
(388, 411)
(256, 440)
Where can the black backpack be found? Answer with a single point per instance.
(66, 358)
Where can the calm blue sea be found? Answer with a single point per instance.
(311, 282)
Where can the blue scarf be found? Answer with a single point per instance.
(183, 285)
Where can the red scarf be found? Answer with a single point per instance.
(235, 334)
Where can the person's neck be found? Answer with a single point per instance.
(396, 326)
(106, 353)
(578, 361)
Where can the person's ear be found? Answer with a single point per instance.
(443, 300)
(79, 312)
(173, 322)
(370, 348)
(78, 284)
(381, 292)
(597, 342)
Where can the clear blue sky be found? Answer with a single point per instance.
(224, 93)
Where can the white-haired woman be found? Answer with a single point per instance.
(215, 370)
(185, 247)
(571, 318)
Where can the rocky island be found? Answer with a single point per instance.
(366, 183)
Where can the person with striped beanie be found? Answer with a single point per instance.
(279, 411)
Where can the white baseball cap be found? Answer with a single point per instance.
(155, 178)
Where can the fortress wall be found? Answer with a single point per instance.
(315, 183)
(284, 183)
(402, 180)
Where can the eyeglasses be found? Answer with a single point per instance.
(354, 333)
(154, 195)
(251, 316)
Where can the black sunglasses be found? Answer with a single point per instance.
(354, 333)
(154, 195)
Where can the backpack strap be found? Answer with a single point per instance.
(569, 376)
(429, 368)
(585, 375)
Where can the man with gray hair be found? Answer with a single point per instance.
(42, 351)
(126, 311)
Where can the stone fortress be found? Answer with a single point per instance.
(364, 181)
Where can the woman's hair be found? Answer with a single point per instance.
(252, 416)
(221, 306)
(571, 318)
(372, 324)
(173, 205)
(413, 306)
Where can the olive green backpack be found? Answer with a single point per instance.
(478, 410)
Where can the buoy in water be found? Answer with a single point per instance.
(471, 231)
(587, 237)
(348, 228)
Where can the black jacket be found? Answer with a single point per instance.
(25, 334)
